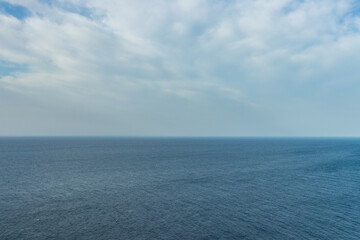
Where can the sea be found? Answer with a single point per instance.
(179, 188)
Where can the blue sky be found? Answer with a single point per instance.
(180, 68)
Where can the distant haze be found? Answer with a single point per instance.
(180, 68)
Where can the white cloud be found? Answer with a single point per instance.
(242, 51)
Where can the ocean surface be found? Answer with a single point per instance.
(179, 188)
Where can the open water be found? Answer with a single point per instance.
(179, 188)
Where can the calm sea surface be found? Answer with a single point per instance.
(179, 188)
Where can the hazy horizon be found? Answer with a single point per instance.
(179, 136)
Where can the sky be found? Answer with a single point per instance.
(180, 68)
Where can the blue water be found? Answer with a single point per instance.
(179, 188)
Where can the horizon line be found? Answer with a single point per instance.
(169, 136)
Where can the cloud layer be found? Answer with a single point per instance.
(187, 67)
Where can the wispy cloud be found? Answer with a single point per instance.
(279, 62)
